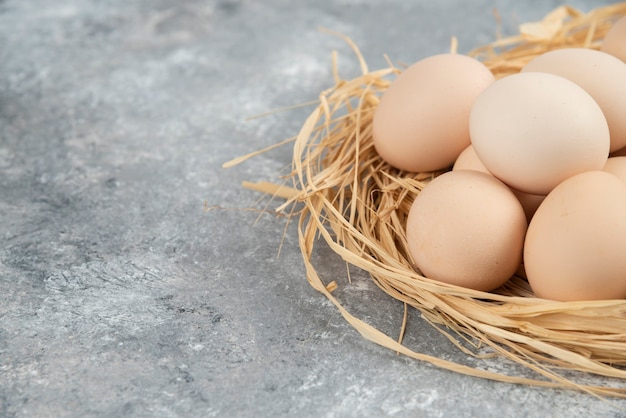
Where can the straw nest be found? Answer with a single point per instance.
(358, 204)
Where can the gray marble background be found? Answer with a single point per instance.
(121, 296)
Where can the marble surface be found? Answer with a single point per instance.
(121, 296)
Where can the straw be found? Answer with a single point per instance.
(357, 205)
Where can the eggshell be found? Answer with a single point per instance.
(466, 228)
(574, 247)
(468, 160)
(533, 130)
(614, 42)
(619, 153)
(601, 75)
(617, 167)
(530, 202)
(421, 122)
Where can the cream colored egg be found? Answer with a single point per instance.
(421, 122)
(617, 167)
(468, 160)
(466, 228)
(574, 247)
(601, 75)
(614, 42)
(618, 153)
(530, 202)
(533, 130)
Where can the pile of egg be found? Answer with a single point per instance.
(539, 169)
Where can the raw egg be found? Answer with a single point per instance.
(574, 247)
(601, 75)
(421, 122)
(617, 167)
(530, 202)
(614, 42)
(466, 228)
(533, 130)
(468, 160)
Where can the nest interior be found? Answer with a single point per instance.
(358, 205)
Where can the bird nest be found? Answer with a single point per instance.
(359, 204)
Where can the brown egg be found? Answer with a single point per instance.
(617, 167)
(601, 75)
(468, 160)
(614, 42)
(466, 228)
(574, 248)
(618, 153)
(533, 130)
(421, 122)
(530, 202)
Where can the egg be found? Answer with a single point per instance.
(574, 246)
(618, 153)
(468, 160)
(617, 167)
(466, 228)
(421, 122)
(533, 130)
(530, 202)
(601, 75)
(614, 42)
